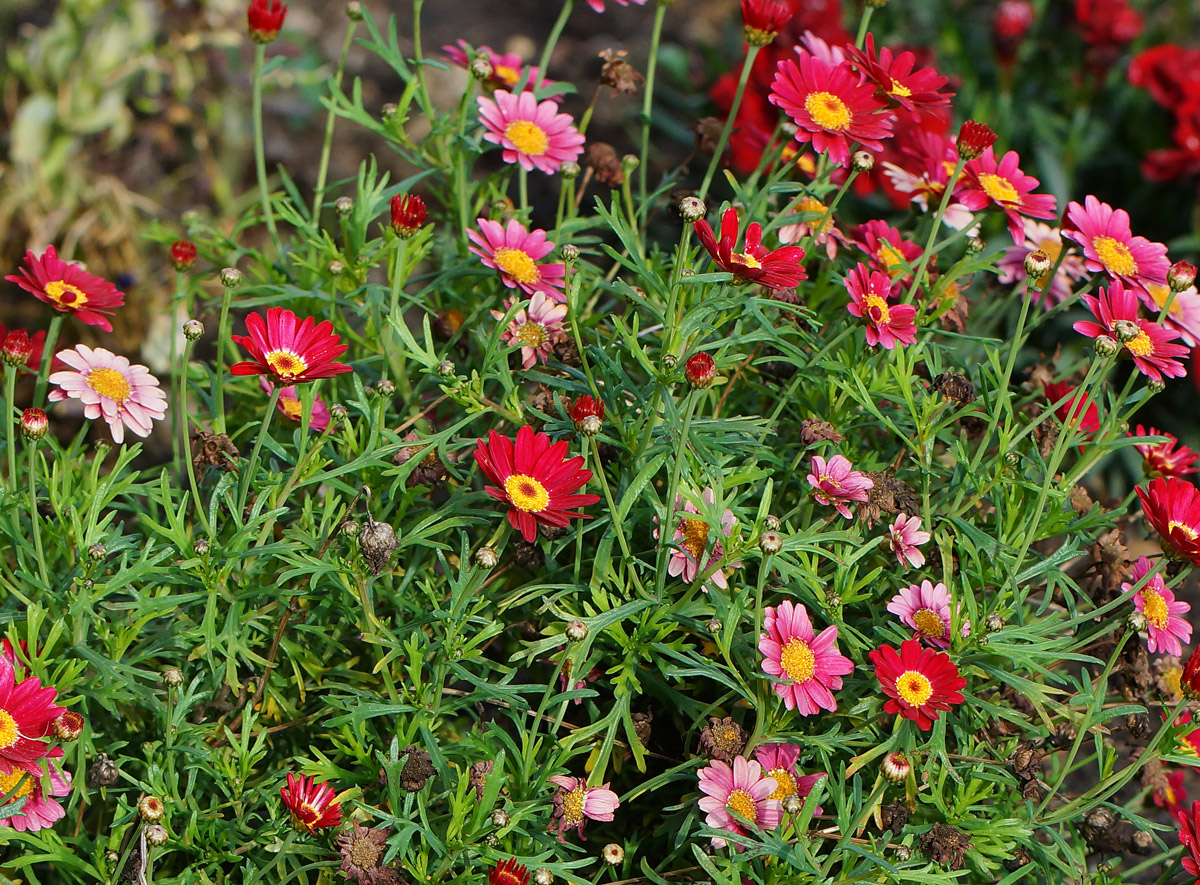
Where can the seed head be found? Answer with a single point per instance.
(378, 542)
(103, 772)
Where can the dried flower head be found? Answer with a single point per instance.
(722, 738)
(417, 770)
(361, 850)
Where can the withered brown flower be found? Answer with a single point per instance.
(722, 738)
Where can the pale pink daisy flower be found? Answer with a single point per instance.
(535, 328)
(905, 536)
(886, 324)
(691, 538)
(1165, 628)
(110, 387)
(1042, 237)
(537, 136)
(927, 610)
(293, 408)
(575, 802)
(779, 761)
(836, 482)
(1109, 245)
(40, 809)
(809, 667)
(1183, 316)
(515, 252)
(823, 233)
(1149, 344)
(738, 789)
(598, 5)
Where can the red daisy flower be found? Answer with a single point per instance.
(27, 713)
(1189, 838)
(19, 348)
(918, 681)
(1149, 344)
(1078, 410)
(1164, 459)
(264, 19)
(1172, 506)
(887, 250)
(887, 324)
(988, 183)
(917, 91)
(69, 288)
(1110, 246)
(831, 106)
(288, 353)
(778, 269)
(508, 872)
(764, 19)
(310, 803)
(533, 478)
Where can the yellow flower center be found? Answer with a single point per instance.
(526, 493)
(999, 188)
(572, 806)
(65, 294)
(1171, 678)
(292, 407)
(930, 623)
(532, 335)
(10, 780)
(891, 258)
(510, 76)
(517, 265)
(812, 204)
(877, 310)
(798, 661)
(1052, 246)
(742, 803)
(828, 111)
(1141, 345)
(1115, 256)
(915, 688)
(1154, 607)
(899, 89)
(110, 384)
(1174, 526)
(746, 260)
(787, 783)
(285, 364)
(8, 729)
(528, 137)
(695, 536)
(1161, 295)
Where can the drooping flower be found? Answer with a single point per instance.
(830, 106)
(532, 134)
(293, 409)
(535, 328)
(535, 479)
(68, 288)
(905, 537)
(691, 539)
(1149, 344)
(836, 482)
(311, 804)
(1041, 237)
(886, 324)
(27, 713)
(1164, 459)
(919, 682)
(575, 802)
(40, 809)
(1165, 628)
(809, 667)
(897, 79)
(1078, 410)
(1189, 838)
(1109, 245)
(361, 850)
(779, 762)
(507, 67)
(775, 269)
(264, 19)
(508, 872)
(110, 387)
(1172, 507)
(926, 609)
(740, 789)
(515, 252)
(988, 183)
(287, 353)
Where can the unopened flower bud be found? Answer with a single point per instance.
(1126, 330)
(896, 768)
(1138, 622)
(543, 876)
(481, 68)
(486, 558)
(903, 852)
(338, 411)
(1012, 459)
(34, 424)
(1181, 276)
(183, 254)
(193, 329)
(713, 626)
(975, 245)
(200, 547)
(587, 413)
(973, 139)
(103, 772)
(491, 840)
(770, 543)
(692, 209)
(230, 277)
(863, 161)
(409, 214)
(792, 804)
(446, 369)
(993, 623)
(1156, 385)
(151, 809)
(386, 387)
(1105, 346)
(613, 854)
(68, 726)
(629, 162)
(350, 528)
(344, 205)
(172, 677)
(17, 348)
(97, 552)
(500, 818)
(700, 370)
(335, 268)
(577, 631)
(771, 522)
(669, 362)
(156, 835)
(354, 11)
(1037, 264)
(570, 252)
(388, 111)
(570, 170)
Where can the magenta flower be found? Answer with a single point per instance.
(507, 67)
(905, 536)
(887, 324)
(740, 789)
(1169, 458)
(779, 761)
(575, 802)
(110, 387)
(1110, 246)
(887, 250)
(809, 667)
(988, 183)
(293, 409)
(1042, 237)
(1165, 629)
(515, 252)
(598, 5)
(39, 792)
(836, 482)
(535, 329)
(691, 538)
(1148, 343)
(1183, 315)
(927, 610)
(533, 134)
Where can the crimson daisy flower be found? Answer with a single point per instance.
(1172, 506)
(1189, 838)
(1078, 410)
(533, 478)
(68, 288)
(288, 353)
(831, 106)
(886, 324)
(1110, 246)
(887, 250)
(508, 872)
(310, 803)
(919, 682)
(1164, 459)
(778, 269)
(988, 183)
(1149, 344)
(917, 91)
(27, 712)
(535, 135)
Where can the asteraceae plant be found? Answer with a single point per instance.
(532, 134)
(1189, 838)
(898, 80)
(1149, 344)
(68, 288)
(311, 804)
(515, 252)
(905, 538)
(777, 269)
(292, 408)
(763, 19)
(740, 789)
(507, 68)
(535, 329)
(27, 711)
(836, 482)
(691, 538)
(779, 761)
(1166, 629)
(508, 872)
(1170, 458)
(110, 387)
(264, 19)
(1044, 238)
(288, 353)
(986, 182)
(1172, 507)
(361, 850)
(808, 667)
(919, 682)
(575, 803)
(1109, 245)
(886, 324)
(926, 609)
(30, 784)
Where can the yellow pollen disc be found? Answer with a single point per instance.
(742, 803)
(930, 623)
(812, 204)
(787, 783)
(8, 729)
(914, 687)
(999, 188)
(1141, 345)
(798, 661)
(10, 780)
(1171, 680)
(110, 384)
(286, 364)
(510, 76)
(824, 478)
(65, 294)
(1161, 295)
(877, 309)
(532, 335)
(292, 408)
(891, 259)
(828, 111)
(695, 536)
(899, 89)
(517, 264)
(1154, 607)
(1115, 256)
(528, 138)
(746, 260)
(1174, 526)
(572, 806)
(1052, 246)
(526, 493)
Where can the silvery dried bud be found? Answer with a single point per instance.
(613, 854)
(570, 252)
(713, 626)
(1105, 346)
(974, 245)
(377, 541)
(863, 161)
(200, 547)
(692, 209)
(446, 369)
(103, 772)
(156, 835)
(577, 631)
(792, 804)
(1181, 276)
(172, 677)
(1038, 264)
(97, 552)
(486, 558)
(230, 277)
(771, 522)
(354, 11)
(1138, 622)
(770, 543)
(151, 809)
(1126, 330)
(500, 818)
(335, 268)
(481, 68)
(543, 876)
(344, 205)
(385, 388)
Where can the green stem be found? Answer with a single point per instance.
(35, 518)
(419, 64)
(666, 531)
(10, 420)
(660, 13)
(715, 162)
(395, 352)
(178, 372)
(252, 464)
(863, 25)
(523, 190)
(184, 436)
(222, 343)
(39, 392)
(327, 145)
(919, 271)
(552, 41)
(260, 160)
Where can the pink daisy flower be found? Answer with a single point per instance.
(535, 328)
(575, 802)
(823, 233)
(809, 667)
(1042, 237)
(779, 762)
(1149, 344)
(897, 79)
(534, 135)
(927, 610)
(292, 408)
(515, 252)
(905, 536)
(691, 538)
(598, 5)
(39, 792)
(887, 325)
(1110, 246)
(887, 250)
(740, 789)
(988, 183)
(1183, 316)
(507, 67)
(110, 387)
(836, 482)
(1165, 628)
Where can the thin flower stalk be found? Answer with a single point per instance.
(715, 162)
(260, 161)
(330, 119)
